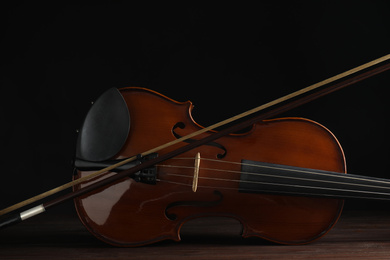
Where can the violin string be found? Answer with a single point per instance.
(279, 192)
(280, 184)
(225, 122)
(263, 174)
(308, 171)
(288, 177)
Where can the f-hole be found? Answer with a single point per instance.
(173, 217)
(181, 125)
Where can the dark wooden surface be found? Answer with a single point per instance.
(358, 235)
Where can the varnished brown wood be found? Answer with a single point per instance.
(357, 235)
(172, 150)
(347, 82)
(128, 213)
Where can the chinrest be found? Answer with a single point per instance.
(105, 128)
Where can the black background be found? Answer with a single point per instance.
(225, 58)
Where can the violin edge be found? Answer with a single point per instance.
(174, 233)
(190, 105)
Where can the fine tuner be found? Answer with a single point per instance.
(143, 168)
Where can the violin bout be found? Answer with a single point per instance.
(134, 213)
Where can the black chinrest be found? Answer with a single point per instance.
(105, 128)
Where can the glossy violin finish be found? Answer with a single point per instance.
(134, 213)
(144, 167)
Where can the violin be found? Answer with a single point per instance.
(144, 167)
(226, 178)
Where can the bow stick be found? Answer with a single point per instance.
(299, 97)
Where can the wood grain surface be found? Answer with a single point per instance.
(358, 235)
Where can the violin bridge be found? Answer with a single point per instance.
(196, 173)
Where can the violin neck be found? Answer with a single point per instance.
(259, 177)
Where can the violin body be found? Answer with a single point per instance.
(132, 213)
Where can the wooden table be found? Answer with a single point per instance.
(358, 235)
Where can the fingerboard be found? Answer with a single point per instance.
(260, 177)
